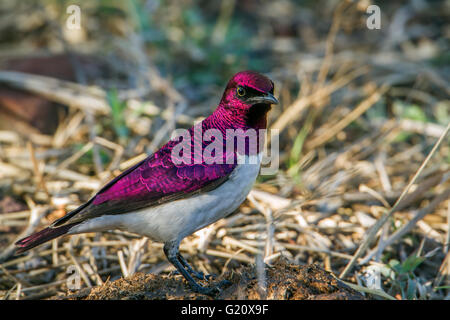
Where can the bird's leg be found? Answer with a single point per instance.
(197, 274)
(172, 254)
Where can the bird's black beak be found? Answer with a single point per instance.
(266, 98)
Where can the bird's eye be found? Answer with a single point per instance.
(240, 91)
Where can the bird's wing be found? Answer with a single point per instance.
(153, 181)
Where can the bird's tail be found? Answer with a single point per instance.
(40, 237)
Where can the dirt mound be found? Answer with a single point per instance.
(283, 281)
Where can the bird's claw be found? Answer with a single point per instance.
(174, 273)
(197, 274)
(202, 276)
(213, 290)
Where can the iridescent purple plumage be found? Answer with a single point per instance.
(158, 176)
(158, 179)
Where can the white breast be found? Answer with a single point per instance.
(178, 219)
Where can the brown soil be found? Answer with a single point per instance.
(284, 282)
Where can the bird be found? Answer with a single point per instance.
(166, 199)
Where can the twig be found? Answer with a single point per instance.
(35, 217)
(352, 116)
(291, 113)
(411, 224)
(374, 230)
(371, 291)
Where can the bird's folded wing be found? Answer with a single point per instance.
(154, 181)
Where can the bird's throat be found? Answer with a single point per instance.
(256, 117)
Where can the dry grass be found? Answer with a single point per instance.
(363, 186)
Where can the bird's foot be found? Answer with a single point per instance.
(196, 274)
(183, 267)
(212, 290)
(201, 276)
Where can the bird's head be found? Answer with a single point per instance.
(248, 97)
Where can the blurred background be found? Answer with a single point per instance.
(87, 92)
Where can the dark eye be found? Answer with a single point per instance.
(240, 91)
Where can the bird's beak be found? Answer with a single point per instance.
(266, 98)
